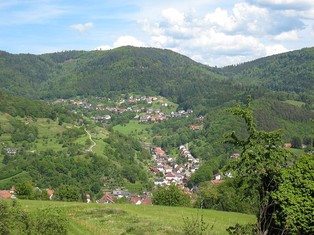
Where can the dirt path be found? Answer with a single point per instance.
(90, 149)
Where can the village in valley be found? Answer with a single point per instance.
(165, 169)
(145, 109)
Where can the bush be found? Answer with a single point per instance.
(196, 226)
(15, 220)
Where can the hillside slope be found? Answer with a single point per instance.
(156, 72)
(291, 72)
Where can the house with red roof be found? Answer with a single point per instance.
(50, 193)
(167, 168)
(107, 198)
(138, 200)
(5, 194)
(195, 128)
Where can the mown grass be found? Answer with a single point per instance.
(131, 219)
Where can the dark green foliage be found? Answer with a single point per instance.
(227, 196)
(295, 197)
(247, 229)
(260, 167)
(204, 173)
(23, 132)
(24, 190)
(15, 220)
(296, 142)
(171, 196)
(18, 106)
(67, 193)
(291, 72)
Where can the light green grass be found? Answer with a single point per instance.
(294, 102)
(5, 117)
(135, 129)
(131, 219)
(172, 107)
(5, 137)
(42, 145)
(296, 151)
(48, 128)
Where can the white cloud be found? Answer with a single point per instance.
(293, 4)
(173, 16)
(82, 27)
(275, 49)
(291, 35)
(221, 19)
(128, 41)
(240, 32)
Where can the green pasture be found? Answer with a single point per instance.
(48, 128)
(4, 117)
(294, 102)
(140, 131)
(172, 107)
(112, 219)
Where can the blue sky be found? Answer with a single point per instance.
(212, 32)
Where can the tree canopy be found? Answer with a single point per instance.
(265, 167)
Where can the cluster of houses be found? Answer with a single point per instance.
(111, 197)
(11, 194)
(147, 99)
(170, 171)
(131, 100)
(11, 151)
(153, 115)
(143, 114)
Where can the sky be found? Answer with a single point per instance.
(212, 32)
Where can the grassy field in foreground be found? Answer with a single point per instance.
(132, 219)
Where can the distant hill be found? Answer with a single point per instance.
(157, 72)
(125, 69)
(291, 72)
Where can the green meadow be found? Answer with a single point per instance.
(295, 103)
(113, 219)
(134, 128)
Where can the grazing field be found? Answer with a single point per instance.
(132, 219)
(295, 103)
(139, 130)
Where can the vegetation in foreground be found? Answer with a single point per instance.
(79, 218)
(282, 183)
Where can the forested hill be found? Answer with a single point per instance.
(121, 70)
(156, 72)
(288, 72)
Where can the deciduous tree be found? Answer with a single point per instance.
(260, 166)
